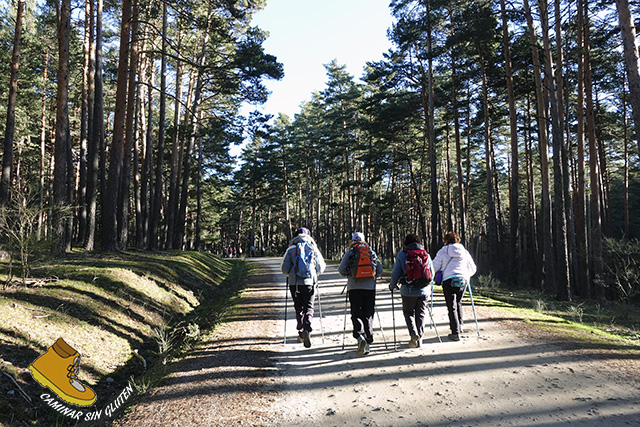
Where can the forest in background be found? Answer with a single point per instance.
(511, 123)
(514, 124)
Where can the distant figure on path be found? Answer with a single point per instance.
(457, 267)
(361, 266)
(302, 263)
(415, 285)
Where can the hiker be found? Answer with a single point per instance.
(413, 269)
(361, 266)
(457, 267)
(302, 263)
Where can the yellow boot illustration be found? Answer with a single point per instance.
(58, 369)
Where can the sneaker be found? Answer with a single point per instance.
(362, 345)
(454, 337)
(306, 339)
(414, 341)
(57, 370)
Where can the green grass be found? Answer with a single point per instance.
(107, 307)
(589, 322)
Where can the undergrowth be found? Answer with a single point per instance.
(128, 315)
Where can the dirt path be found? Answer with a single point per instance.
(244, 375)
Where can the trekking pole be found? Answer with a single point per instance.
(393, 316)
(431, 316)
(386, 347)
(432, 324)
(344, 329)
(320, 307)
(286, 301)
(473, 307)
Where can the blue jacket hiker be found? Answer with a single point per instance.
(457, 267)
(414, 298)
(361, 266)
(302, 263)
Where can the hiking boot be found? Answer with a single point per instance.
(306, 339)
(300, 338)
(419, 342)
(58, 369)
(414, 341)
(362, 345)
(454, 337)
(366, 348)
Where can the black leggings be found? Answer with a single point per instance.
(363, 307)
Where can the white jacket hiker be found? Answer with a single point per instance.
(454, 261)
(457, 267)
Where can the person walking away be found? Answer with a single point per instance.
(361, 266)
(457, 267)
(302, 264)
(413, 269)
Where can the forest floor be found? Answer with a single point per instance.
(511, 373)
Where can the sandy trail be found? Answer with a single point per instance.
(246, 376)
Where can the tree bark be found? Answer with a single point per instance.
(154, 218)
(186, 168)
(545, 202)
(515, 170)
(631, 60)
(116, 153)
(124, 201)
(7, 158)
(96, 142)
(61, 204)
(172, 205)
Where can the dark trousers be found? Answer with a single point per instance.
(303, 300)
(453, 298)
(415, 310)
(363, 303)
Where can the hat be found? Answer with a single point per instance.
(358, 236)
(302, 230)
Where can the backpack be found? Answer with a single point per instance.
(418, 271)
(305, 259)
(361, 260)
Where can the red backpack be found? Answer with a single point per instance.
(418, 271)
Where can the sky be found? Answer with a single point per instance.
(305, 34)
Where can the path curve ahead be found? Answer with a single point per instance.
(243, 374)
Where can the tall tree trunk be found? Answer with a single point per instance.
(492, 213)
(186, 169)
(198, 231)
(596, 219)
(116, 153)
(545, 202)
(172, 205)
(85, 117)
(631, 60)
(43, 140)
(60, 201)
(7, 158)
(552, 85)
(581, 199)
(154, 219)
(515, 170)
(436, 226)
(95, 150)
(129, 135)
(145, 178)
